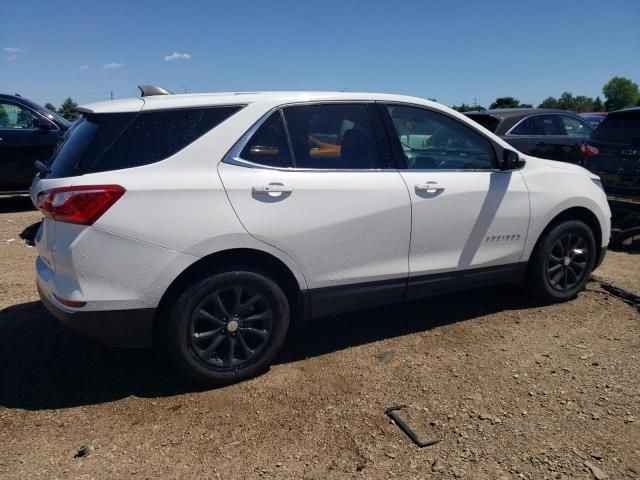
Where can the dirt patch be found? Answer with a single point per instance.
(512, 390)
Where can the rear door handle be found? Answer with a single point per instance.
(630, 153)
(541, 144)
(272, 188)
(429, 187)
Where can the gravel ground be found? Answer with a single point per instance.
(511, 389)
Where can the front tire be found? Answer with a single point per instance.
(562, 262)
(228, 327)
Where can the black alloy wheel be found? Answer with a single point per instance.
(561, 262)
(228, 326)
(567, 262)
(231, 326)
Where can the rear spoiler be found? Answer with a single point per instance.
(151, 90)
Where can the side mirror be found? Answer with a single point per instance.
(43, 124)
(511, 160)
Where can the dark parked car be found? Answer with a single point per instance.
(544, 133)
(613, 153)
(28, 132)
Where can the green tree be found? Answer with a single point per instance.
(68, 109)
(620, 93)
(549, 102)
(463, 107)
(567, 101)
(51, 107)
(597, 105)
(508, 102)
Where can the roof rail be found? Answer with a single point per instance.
(151, 90)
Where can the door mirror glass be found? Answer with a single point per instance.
(510, 160)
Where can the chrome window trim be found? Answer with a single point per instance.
(233, 155)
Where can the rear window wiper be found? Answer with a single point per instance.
(42, 167)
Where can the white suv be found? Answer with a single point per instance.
(212, 222)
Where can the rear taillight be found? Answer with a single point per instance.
(589, 150)
(82, 205)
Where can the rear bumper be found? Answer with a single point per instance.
(115, 328)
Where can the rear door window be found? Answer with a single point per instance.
(115, 141)
(338, 136)
(537, 125)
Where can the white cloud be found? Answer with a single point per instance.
(12, 52)
(109, 66)
(84, 67)
(178, 56)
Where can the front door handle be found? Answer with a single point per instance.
(429, 187)
(541, 144)
(272, 188)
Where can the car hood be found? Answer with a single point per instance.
(567, 167)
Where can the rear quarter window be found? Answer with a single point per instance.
(124, 140)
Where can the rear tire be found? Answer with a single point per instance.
(228, 327)
(562, 262)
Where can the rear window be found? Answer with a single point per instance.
(622, 128)
(114, 141)
(487, 121)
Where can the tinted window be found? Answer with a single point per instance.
(268, 146)
(15, 117)
(487, 121)
(332, 136)
(621, 128)
(538, 125)
(85, 142)
(431, 140)
(123, 140)
(574, 127)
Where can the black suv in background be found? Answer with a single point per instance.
(613, 153)
(28, 132)
(543, 133)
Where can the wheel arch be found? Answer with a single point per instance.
(249, 258)
(576, 213)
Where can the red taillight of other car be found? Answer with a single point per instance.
(589, 150)
(82, 205)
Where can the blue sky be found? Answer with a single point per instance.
(450, 50)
